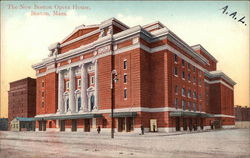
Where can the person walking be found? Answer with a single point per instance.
(98, 129)
(142, 130)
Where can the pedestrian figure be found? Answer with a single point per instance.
(154, 129)
(98, 129)
(142, 129)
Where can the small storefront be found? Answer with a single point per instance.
(23, 124)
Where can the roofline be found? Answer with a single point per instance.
(26, 78)
(214, 74)
(204, 50)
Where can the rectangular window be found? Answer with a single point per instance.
(189, 93)
(42, 83)
(200, 96)
(189, 76)
(194, 79)
(176, 89)
(183, 104)
(92, 79)
(189, 66)
(189, 106)
(175, 58)
(183, 92)
(125, 78)
(183, 62)
(200, 82)
(176, 103)
(125, 93)
(176, 71)
(67, 84)
(195, 96)
(194, 107)
(79, 83)
(183, 74)
(125, 64)
(42, 104)
(42, 94)
(193, 69)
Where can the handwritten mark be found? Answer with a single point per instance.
(233, 15)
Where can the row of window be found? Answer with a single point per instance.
(184, 76)
(125, 79)
(183, 92)
(187, 105)
(183, 63)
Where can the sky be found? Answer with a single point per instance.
(25, 38)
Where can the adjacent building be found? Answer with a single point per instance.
(22, 99)
(242, 117)
(146, 74)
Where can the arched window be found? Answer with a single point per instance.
(79, 103)
(67, 105)
(92, 102)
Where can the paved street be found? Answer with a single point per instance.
(230, 143)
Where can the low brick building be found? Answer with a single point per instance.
(146, 75)
(22, 99)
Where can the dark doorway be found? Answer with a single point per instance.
(44, 125)
(190, 124)
(62, 125)
(177, 124)
(184, 124)
(40, 125)
(87, 125)
(74, 126)
(129, 124)
(121, 124)
(201, 123)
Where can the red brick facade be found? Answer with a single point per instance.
(22, 98)
(162, 83)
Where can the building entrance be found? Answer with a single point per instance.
(74, 126)
(129, 124)
(177, 124)
(62, 125)
(87, 125)
(121, 124)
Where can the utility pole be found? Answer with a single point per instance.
(114, 79)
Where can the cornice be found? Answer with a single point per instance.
(198, 46)
(220, 74)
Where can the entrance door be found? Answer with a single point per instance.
(129, 124)
(153, 125)
(74, 126)
(121, 124)
(184, 124)
(62, 125)
(40, 125)
(44, 125)
(177, 124)
(87, 125)
(201, 123)
(190, 124)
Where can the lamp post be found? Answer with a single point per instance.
(114, 79)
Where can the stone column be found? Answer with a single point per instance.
(84, 86)
(72, 104)
(60, 108)
(96, 85)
